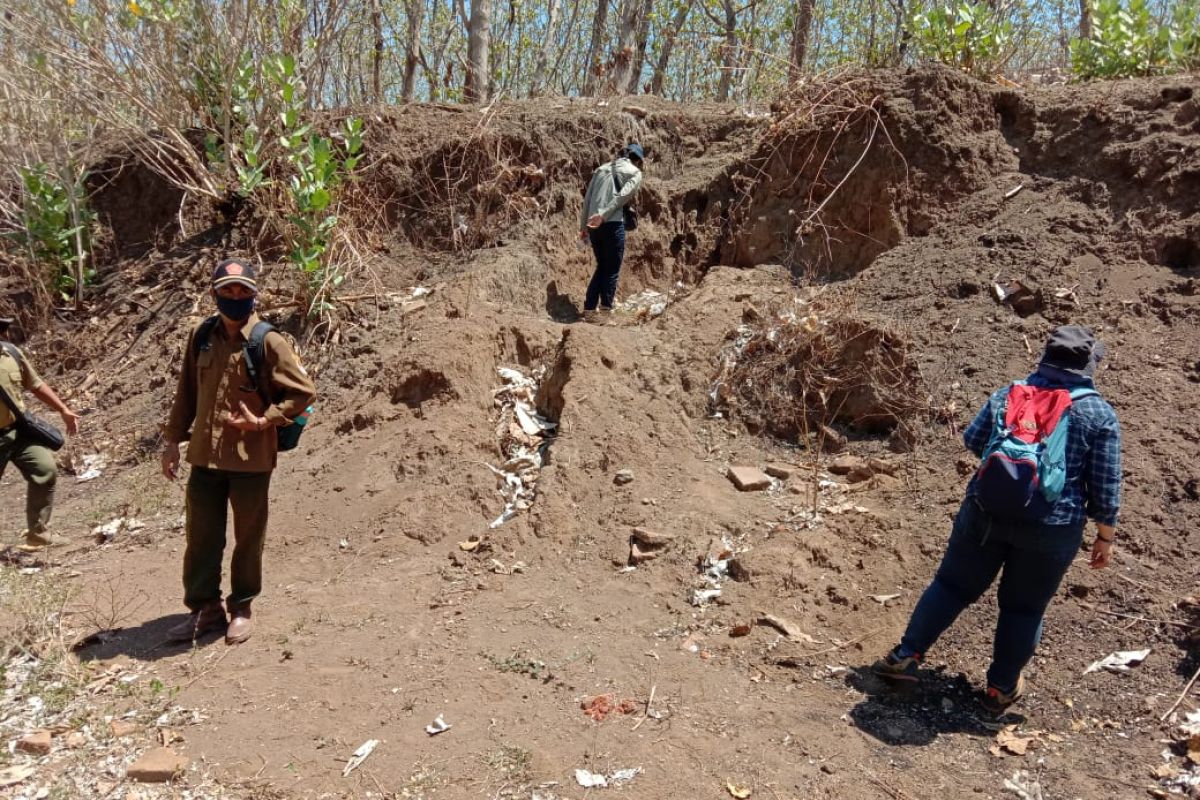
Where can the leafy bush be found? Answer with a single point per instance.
(970, 36)
(58, 227)
(1128, 41)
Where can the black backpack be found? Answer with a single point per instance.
(628, 212)
(255, 355)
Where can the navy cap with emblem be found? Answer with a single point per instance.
(234, 270)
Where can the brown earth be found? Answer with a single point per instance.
(374, 621)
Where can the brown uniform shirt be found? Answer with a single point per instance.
(15, 375)
(212, 384)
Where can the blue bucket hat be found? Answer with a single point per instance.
(634, 150)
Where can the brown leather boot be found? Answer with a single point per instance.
(240, 626)
(198, 623)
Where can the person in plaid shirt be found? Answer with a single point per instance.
(1030, 557)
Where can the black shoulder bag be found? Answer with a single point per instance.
(30, 427)
(628, 212)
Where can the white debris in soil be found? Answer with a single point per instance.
(646, 304)
(59, 695)
(524, 435)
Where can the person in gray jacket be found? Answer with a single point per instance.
(602, 221)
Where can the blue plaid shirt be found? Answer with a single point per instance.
(1093, 487)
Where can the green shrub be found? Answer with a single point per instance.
(1128, 41)
(58, 227)
(970, 36)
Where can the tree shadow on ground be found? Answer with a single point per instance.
(560, 307)
(146, 642)
(916, 714)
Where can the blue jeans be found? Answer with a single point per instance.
(1034, 558)
(608, 244)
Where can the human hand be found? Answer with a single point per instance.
(71, 420)
(170, 460)
(1101, 553)
(595, 221)
(245, 419)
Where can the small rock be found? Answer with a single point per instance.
(409, 306)
(36, 743)
(831, 440)
(623, 477)
(844, 465)
(157, 766)
(749, 479)
(781, 471)
(651, 538)
(122, 727)
(76, 739)
(827, 768)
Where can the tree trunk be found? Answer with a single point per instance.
(548, 43)
(1085, 19)
(800, 31)
(377, 60)
(626, 34)
(415, 11)
(664, 56)
(639, 53)
(475, 89)
(729, 52)
(598, 26)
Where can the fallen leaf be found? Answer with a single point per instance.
(1008, 739)
(740, 630)
(884, 599)
(740, 792)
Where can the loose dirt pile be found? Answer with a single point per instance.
(389, 600)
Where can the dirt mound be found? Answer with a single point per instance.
(391, 600)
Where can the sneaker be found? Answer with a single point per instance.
(40, 541)
(997, 702)
(893, 668)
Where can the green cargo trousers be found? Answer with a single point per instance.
(210, 493)
(36, 464)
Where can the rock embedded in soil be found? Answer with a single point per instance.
(157, 766)
(122, 727)
(781, 471)
(36, 743)
(749, 479)
(623, 477)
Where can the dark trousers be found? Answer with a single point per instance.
(210, 493)
(36, 465)
(608, 243)
(1031, 560)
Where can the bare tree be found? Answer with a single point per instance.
(415, 17)
(1085, 19)
(626, 37)
(639, 53)
(377, 56)
(592, 63)
(475, 89)
(549, 39)
(800, 32)
(664, 55)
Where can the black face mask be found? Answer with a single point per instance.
(236, 310)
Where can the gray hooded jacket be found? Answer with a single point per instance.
(602, 196)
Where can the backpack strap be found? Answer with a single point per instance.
(12, 351)
(1081, 392)
(254, 352)
(202, 340)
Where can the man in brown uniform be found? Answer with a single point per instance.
(35, 462)
(232, 446)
